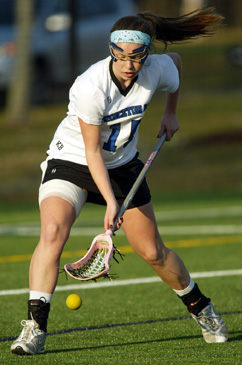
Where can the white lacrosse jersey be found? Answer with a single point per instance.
(96, 98)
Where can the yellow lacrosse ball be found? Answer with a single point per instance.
(73, 301)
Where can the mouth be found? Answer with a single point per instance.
(129, 74)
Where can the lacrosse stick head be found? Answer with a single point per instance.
(96, 261)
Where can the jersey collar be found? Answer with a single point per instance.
(122, 91)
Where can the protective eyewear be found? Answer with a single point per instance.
(138, 55)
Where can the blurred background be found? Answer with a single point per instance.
(45, 45)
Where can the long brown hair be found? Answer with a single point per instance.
(172, 30)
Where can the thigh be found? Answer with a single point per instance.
(66, 190)
(57, 217)
(141, 230)
(60, 203)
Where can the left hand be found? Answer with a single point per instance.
(169, 124)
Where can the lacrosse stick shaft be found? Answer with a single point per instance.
(139, 179)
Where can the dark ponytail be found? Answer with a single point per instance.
(172, 30)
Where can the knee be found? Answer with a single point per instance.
(156, 256)
(54, 234)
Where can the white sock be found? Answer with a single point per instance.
(45, 297)
(185, 291)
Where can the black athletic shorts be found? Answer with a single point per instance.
(122, 179)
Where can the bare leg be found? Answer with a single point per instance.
(57, 217)
(141, 231)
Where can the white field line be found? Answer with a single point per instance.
(110, 284)
(199, 213)
(33, 228)
(93, 231)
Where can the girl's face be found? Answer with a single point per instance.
(127, 66)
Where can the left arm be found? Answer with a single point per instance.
(169, 120)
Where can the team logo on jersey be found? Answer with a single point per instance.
(130, 110)
(59, 145)
(109, 100)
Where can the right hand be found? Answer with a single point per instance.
(111, 212)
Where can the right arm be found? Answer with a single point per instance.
(98, 170)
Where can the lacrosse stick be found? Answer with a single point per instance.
(96, 261)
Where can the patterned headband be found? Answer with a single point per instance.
(130, 36)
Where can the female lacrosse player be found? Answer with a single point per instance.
(93, 158)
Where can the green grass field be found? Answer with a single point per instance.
(139, 322)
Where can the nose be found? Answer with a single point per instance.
(129, 64)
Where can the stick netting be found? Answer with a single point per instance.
(94, 266)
